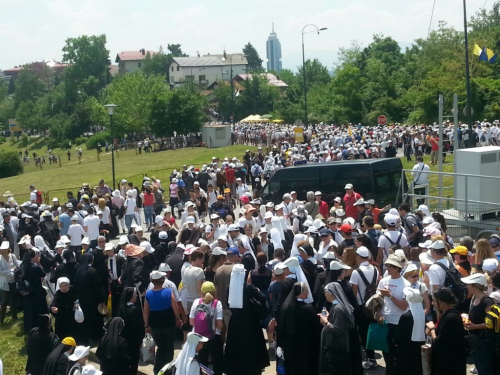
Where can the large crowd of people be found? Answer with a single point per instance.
(234, 277)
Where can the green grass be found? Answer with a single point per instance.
(71, 174)
(12, 344)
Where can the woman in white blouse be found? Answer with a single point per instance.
(8, 265)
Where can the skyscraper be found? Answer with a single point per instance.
(273, 52)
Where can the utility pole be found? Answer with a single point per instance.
(440, 151)
(467, 81)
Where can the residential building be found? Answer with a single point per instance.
(46, 70)
(130, 61)
(205, 70)
(271, 79)
(273, 51)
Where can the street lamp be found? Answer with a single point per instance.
(111, 111)
(467, 82)
(231, 79)
(304, 63)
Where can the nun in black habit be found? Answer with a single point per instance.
(246, 352)
(410, 335)
(133, 332)
(335, 357)
(90, 295)
(298, 332)
(67, 268)
(57, 361)
(62, 308)
(41, 342)
(113, 350)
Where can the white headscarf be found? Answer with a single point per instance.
(235, 299)
(294, 268)
(188, 352)
(246, 244)
(415, 299)
(60, 281)
(298, 237)
(40, 243)
(276, 223)
(275, 238)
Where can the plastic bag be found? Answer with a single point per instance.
(79, 314)
(148, 349)
(377, 337)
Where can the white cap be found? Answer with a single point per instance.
(363, 251)
(157, 275)
(109, 247)
(279, 268)
(477, 278)
(59, 244)
(438, 244)
(90, 370)
(164, 267)
(348, 186)
(391, 219)
(123, 240)
(233, 227)
(338, 199)
(163, 235)
(85, 241)
(5, 245)
(147, 246)
(218, 251)
(426, 258)
(74, 218)
(317, 193)
(79, 353)
(190, 219)
(336, 265)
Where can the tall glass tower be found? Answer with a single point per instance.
(273, 52)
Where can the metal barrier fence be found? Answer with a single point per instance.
(469, 203)
(59, 194)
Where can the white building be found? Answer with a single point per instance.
(206, 69)
(130, 61)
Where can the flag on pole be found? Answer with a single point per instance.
(485, 54)
(477, 50)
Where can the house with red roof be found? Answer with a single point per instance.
(130, 61)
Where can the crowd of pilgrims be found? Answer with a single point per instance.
(302, 279)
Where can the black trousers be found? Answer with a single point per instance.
(420, 191)
(363, 323)
(164, 340)
(9, 296)
(215, 348)
(390, 358)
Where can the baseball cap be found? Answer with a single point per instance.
(391, 220)
(214, 217)
(109, 246)
(338, 199)
(279, 268)
(157, 275)
(79, 353)
(494, 241)
(190, 219)
(245, 199)
(86, 241)
(460, 250)
(348, 186)
(394, 260)
(147, 246)
(163, 235)
(233, 228)
(425, 245)
(233, 251)
(74, 218)
(359, 202)
(317, 193)
(218, 251)
(335, 265)
(164, 267)
(324, 232)
(90, 370)
(477, 278)
(340, 212)
(363, 252)
(346, 228)
(437, 245)
(487, 265)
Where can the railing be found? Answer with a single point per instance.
(463, 202)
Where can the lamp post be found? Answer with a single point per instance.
(231, 79)
(467, 81)
(111, 111)
(304, 64)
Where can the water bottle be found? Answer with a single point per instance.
(428, 341)
(323, 311)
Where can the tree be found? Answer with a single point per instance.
(12, 86)
(88, 57)
(28, 87)
(4, 89)
(134, 94)
(160, 62)
(253, 58)
(27, 115)
(10, 164)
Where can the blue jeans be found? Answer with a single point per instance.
(149, 215)
(128, 220)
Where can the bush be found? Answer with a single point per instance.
(52, 143)
(98, 138)
(3, 140)
(80, 141)
(10, 164)
(25, 140)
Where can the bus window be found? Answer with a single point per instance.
(300, 186)
(271, 191)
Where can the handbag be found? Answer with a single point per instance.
(377, 337)
(148, 349)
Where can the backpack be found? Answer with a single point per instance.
(452, 281)
(419, 237)
(371, 289)
(204, 316)
(492, 331)
(39, 197)
(374, 235)
(22, 285)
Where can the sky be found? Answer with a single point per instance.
(34, 30)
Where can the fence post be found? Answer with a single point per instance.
(60, 161)
(98, 156)
(467, 205)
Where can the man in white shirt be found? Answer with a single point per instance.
(130, 209)
(436, 273)
(420, 174)
(32, 194)
(241, 188)
(365, 275)
(75, 233)
(391, 237)
(326, 242)
(392, 289)
(91, 227)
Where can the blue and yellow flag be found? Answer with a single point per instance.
(485, 54)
